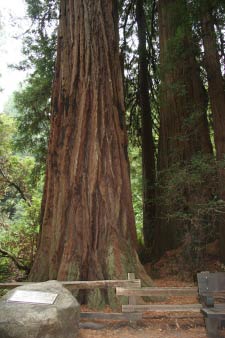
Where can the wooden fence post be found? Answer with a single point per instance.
(132, 300)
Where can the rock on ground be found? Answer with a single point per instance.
(26, 320)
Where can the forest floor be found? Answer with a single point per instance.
(171, 270)
(151, 330)
(183, 325)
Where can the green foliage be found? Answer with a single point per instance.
(188, 192)
(188, 196)
(24, 139)
(33, 116)
(19, 234)
(32, 102)
(129, 60)
(180, 37)
(216, 9)
(7, 128)
(20, 198)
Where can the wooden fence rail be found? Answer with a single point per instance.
(157, 291)
(75, 285)
(132, 289)
(154, 292)
(162, 308)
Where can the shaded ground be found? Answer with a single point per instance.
(171, 270)
(155, 325)
(144, 333)
(162, 328)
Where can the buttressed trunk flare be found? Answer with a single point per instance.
(88, 228)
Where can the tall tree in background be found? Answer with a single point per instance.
(183, 123)
(148, 151)
(182, 116)
(88, 230)
(216, 88)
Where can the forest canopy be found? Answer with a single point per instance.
(167, 88)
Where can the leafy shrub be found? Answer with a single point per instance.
(20, 198)
(188, 198)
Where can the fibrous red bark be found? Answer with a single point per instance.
(216, 86)
(148, 148)
(88, 229)
(184, 128)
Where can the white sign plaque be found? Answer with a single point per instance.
(36, 297)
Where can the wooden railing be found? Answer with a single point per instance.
(154, 292)
(132, 289)
(157, 291)
(76, 285)
(131, 282)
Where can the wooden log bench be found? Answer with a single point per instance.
(211, 288)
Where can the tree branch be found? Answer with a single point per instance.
(18, 264)
(16, 186)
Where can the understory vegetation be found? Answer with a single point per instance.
(171, 117)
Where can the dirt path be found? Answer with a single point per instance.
(147, 332)
(167, 326)
(164, 327)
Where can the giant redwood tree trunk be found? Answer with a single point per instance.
(183, 104)
(216, 85)
(88, 230)
(148, 151)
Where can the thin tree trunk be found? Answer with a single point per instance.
(148, 151)
(88, 229)
(216, 85)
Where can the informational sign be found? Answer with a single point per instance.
(36, 297)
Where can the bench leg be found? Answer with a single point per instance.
(212, 326)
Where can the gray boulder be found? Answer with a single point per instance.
(29, 320)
